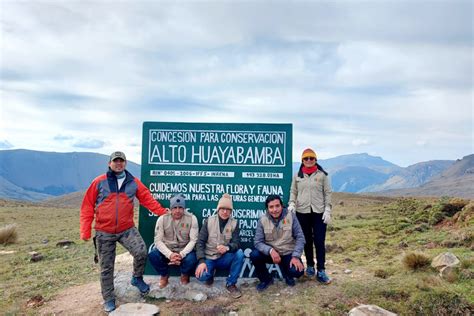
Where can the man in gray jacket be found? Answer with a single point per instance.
(279, 240)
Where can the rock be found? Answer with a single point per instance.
(63, 243)
(136, 309)
(449, 273)
(35, 301)
(348, 271)
(35, 256)
(370, 310)
(124, 291)
(446, 259)
(402, 244)
(430, 245)
(232, 313)
(7, 252)
(341, 203)
(195, 296)
(45, 241)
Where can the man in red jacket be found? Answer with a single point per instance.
(110, 200)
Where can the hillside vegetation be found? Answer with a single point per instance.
(371, 236)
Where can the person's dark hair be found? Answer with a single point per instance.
(272, 197)
(300, 172)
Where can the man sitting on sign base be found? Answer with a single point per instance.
(176, 233)
(218, 247)
(279, 239)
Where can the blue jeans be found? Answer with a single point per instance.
(260, 260)
(160, 262)
(232, 261)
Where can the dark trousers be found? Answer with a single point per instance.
(259, 260)
(161, 263)
(314, 230)
(106, 245)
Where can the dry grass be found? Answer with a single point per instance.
(415, 261)
(8, 234)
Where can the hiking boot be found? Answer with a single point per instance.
(140, 284)
(262, 286)
(109, 306)
(184, 279)
(290, 281)
(233, 291)
(209, 282)
(163, 281)
(310, 271)
(322, 277)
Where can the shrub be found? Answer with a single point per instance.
(380, 273)
(8, 234)
(436, 215)
(441, 303)
(415, 261)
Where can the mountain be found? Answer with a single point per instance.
(335, 164)
(363, 173)
(359, 160)
(37, 175)
(456, 180)
(412, 176)
(356, 179)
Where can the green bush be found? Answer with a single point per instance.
(440, 303)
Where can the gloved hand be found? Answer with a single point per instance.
(327, 216)
(291, 207)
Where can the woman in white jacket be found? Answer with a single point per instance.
(310, 197)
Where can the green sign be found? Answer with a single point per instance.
(205, 160)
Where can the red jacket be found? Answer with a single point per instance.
(113, 208)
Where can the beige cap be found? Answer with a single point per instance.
(225, 202)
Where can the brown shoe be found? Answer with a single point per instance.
(234, 291)
(210, 282)
(163, 281)
(184, 279)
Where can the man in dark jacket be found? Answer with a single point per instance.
(110, 200)
(218, 246)
(279, 239)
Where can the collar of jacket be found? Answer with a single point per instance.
(112, 179)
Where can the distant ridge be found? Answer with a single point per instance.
(363, 173)
(457, 180)
(37, 175)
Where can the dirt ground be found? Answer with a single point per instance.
(86, 299)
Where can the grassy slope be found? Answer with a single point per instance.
(366, 236)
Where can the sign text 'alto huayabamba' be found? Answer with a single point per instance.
(205, 160)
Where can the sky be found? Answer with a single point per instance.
(390, 78)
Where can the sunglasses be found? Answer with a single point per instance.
(308, 158)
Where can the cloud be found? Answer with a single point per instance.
(360, 142)
(63, 137)
(89, 143)
(379, 75)
(5, 144)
